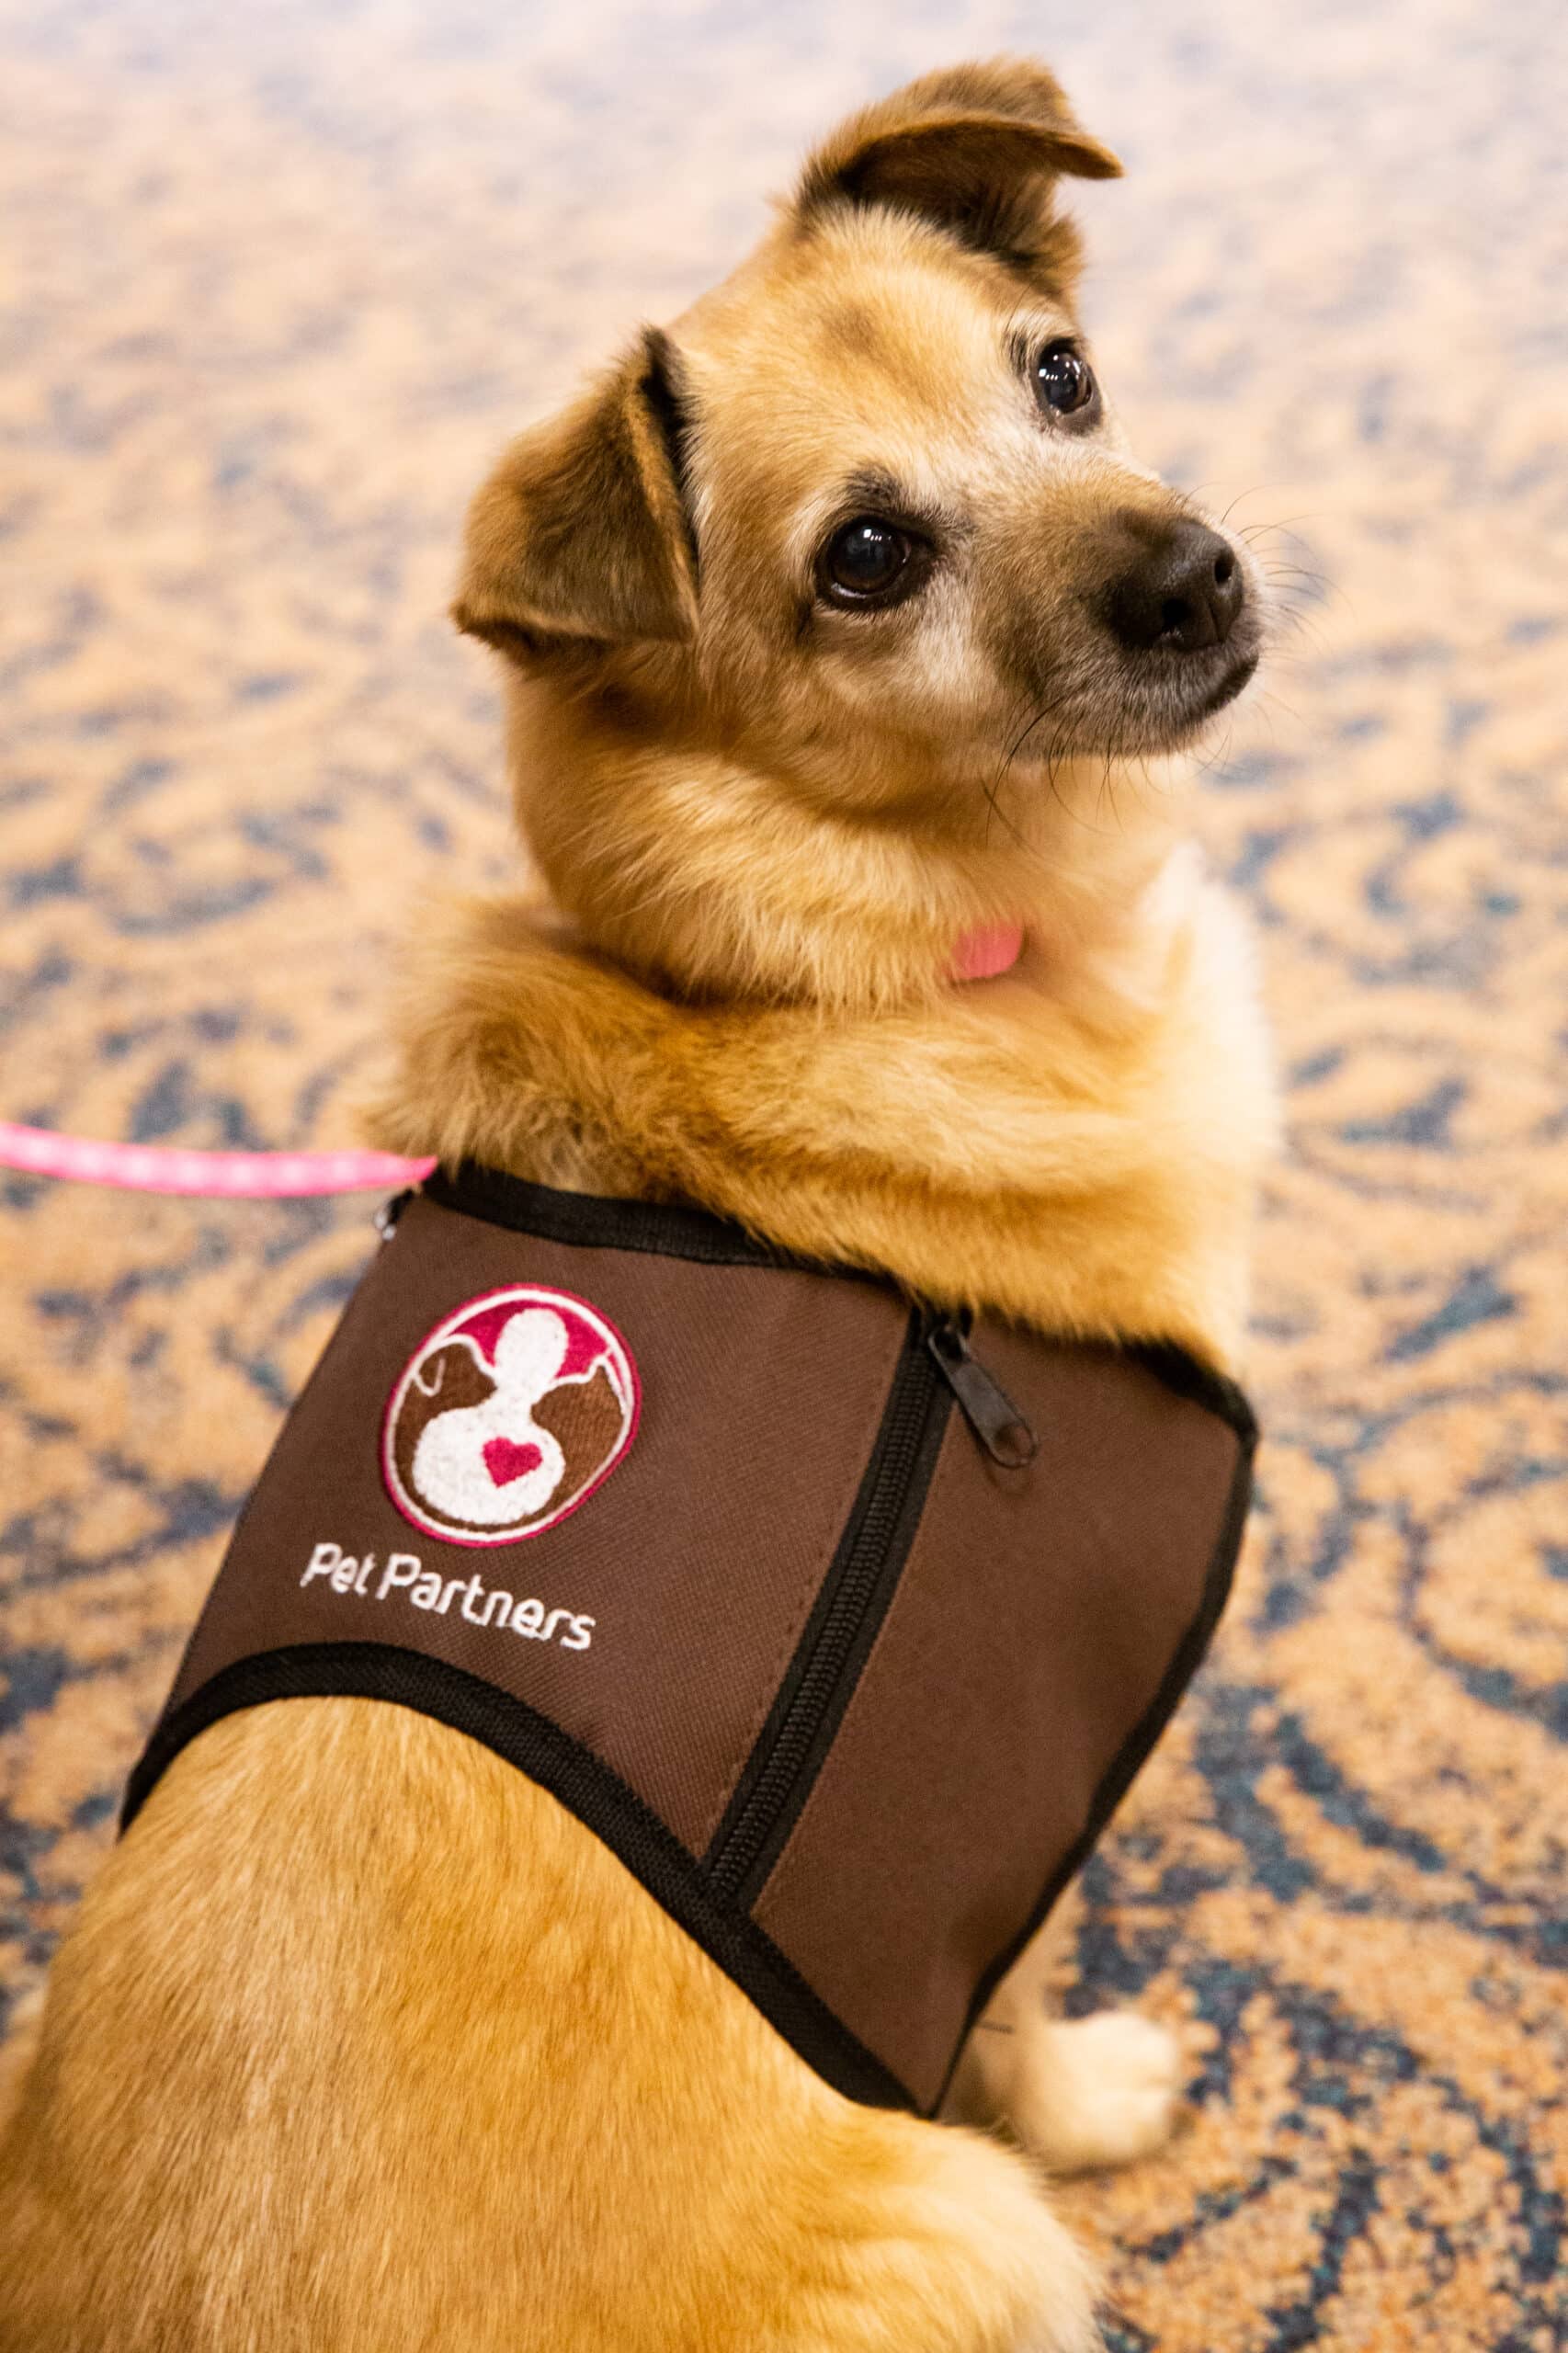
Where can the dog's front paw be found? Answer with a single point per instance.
(1081, 2093)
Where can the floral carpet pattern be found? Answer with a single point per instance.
(273, 284)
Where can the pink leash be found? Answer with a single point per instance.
(232, 1176)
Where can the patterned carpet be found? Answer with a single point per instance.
(275, 281)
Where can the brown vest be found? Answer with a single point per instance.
(844, 1639)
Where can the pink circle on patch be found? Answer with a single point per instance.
(509, 1414)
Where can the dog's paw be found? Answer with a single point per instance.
(1082, 2093)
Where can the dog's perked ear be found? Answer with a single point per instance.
(581, 537)
(973, 148)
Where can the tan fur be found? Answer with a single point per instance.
(433, 2071)
(360, 2040)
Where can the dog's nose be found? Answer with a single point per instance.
(1183, 593)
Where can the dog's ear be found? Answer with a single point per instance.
(973, 148)
(580, 536)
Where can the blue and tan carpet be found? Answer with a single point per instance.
(275, 281)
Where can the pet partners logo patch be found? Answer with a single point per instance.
(508, 1416)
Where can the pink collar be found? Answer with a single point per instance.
(982, 954)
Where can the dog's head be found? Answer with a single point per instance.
(862, 524)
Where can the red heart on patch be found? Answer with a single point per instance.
(506, 1460)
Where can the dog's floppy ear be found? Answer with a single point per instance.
(580, 536)
(973, 149)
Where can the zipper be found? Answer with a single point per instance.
(851, 1604)
(936, 1365)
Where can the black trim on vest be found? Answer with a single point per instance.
(598, 1798)
(1133, 1754)
(599, 1221)
(668, 1230)
(1186, 1376)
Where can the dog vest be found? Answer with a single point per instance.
(842, 1624)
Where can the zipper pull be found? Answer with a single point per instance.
(985, 1404)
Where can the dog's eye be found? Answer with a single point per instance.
(1064, 381)
(866, 562)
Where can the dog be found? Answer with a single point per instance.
(849, 660)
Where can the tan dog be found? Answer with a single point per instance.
(842, 630)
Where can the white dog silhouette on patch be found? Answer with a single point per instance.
(491, 1464)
